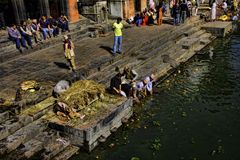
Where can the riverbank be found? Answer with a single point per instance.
(158, 53)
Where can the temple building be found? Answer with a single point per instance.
(14, 11)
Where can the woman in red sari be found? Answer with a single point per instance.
(144, 18)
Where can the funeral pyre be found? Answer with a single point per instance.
(82, 100)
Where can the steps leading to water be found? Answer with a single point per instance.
(27, 134)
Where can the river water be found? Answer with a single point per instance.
(193, 115)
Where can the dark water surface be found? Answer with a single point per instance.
(195, 114)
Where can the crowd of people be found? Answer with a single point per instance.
(125, 83)
(224, 10)
(179, 11)
(149, 15)
(39, 30)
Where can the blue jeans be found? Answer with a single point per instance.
(138, 22)
(64, 27)
(117, 44)
(183, 16)
(45, 31)
(27, 38)
(18, 42)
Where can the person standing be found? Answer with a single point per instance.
(213, 11)
(117, 46)
(68, 47)
(183, 11)
(160, 13)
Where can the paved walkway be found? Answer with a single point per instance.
(48, 65)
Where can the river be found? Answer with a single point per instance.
(193, 115)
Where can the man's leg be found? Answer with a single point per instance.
(73, 65)
(23, 42)
(115, 44)
(120, 44)
(18, 43)
(44, 33)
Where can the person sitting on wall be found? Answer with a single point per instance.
(137, 20)
(145, 17)
(14, 35)
(63, 22)
(150, 17)
(35, 27)
(45, 27)
(26, 33)
(54, 25)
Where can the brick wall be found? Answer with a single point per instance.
(73, 10)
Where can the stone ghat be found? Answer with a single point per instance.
(36, 132)
(218, 28)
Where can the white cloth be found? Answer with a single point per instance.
(224, 6)
(140, 86)
(61, 86)
(214, 11)
(149, 84)
(235, 18)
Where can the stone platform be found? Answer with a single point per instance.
(218, 28)
(90, 133)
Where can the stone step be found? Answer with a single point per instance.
(198, 33)
(12, 125)
(190, 43)
(26, 150)
(66, 153)
(27, 116)
(54, 148)
(4, 116)
(21, 136)
(34, 147)
(134, 49)
(143, 54)
(191, 31)
(40, 109)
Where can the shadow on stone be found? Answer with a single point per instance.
(62, 65)
(107, 48)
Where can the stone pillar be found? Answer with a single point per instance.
(63, 6)
(116, 7)
(19, 10)
(72, 9)
(143, 4)
(44, 7)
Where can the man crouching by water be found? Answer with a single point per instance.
(118, 87)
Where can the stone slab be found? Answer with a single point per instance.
(218, 28)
